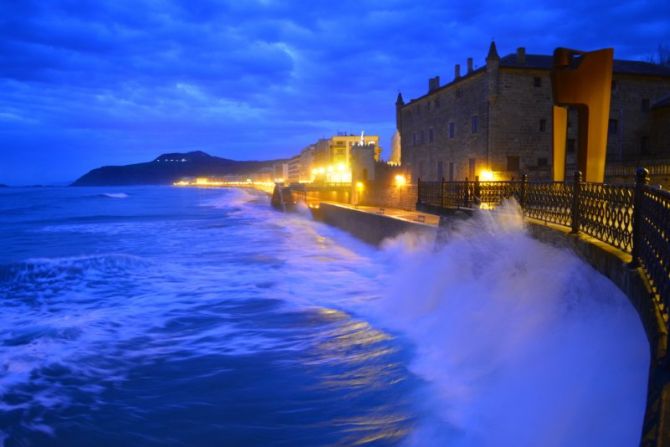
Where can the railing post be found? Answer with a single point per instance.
(477, 199)
(466, 193)
(522, 190)
(442, 193)
(576, 189)
(641, 179)
(418, 191)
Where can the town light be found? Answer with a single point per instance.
(400, 180)
(486, 175)
(360, 186)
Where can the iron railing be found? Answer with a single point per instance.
(633, 218)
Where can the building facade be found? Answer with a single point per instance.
(496, 120)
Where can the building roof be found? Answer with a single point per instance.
(545, 62)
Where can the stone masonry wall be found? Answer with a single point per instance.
(457, 103)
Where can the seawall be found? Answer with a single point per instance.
(372, 228)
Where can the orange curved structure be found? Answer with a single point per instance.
(582, 80)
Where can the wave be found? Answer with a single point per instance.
(522, 343)
(47, 269)
(235, 198)
(114, 195)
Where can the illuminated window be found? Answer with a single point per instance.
(537, 81)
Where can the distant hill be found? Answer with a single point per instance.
(168, 168)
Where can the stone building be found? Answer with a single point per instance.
(498, 119)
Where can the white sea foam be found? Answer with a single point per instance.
(115, 195)
(522, 343)
(233, 198)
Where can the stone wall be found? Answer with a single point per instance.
(371, 228)
(521, 124)
(401, 197)
(425, 132)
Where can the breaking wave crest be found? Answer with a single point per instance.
(521, 342)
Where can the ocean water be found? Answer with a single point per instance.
(200, 317)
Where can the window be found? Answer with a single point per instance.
(472, 164)
(440, 170)
(512, 163)
(475, 124)
(451, 172)
(542, 162)
(645, 104)
(430, 135)
(422, 137)
(570, 146)
(452, 130)
(613, 127)
(644, 145)
(537, 81)
(543, 125)
(414, 139)
(437, 102)
(421, 168)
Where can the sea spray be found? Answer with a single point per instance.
(521, 343)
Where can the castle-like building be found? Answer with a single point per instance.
(497, 118)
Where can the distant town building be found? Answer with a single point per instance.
(293, 175)
(280, 172)
(329, 160)
(497, 119)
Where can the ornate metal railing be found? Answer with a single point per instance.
(606, 213)
(632, 218)
(550, 202)
(651, 247)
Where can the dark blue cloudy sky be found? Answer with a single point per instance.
(87, 83)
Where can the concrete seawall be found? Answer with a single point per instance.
(612, 263)
(370, 227)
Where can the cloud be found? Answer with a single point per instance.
(121, 81)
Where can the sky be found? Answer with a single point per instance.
(91, 83)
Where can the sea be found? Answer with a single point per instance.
(162, 316)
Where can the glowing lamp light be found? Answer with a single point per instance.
(340, 167)
(487, 175)
(400, 180)
(360, 186)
